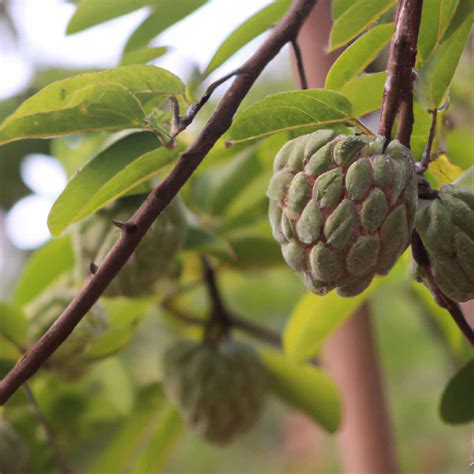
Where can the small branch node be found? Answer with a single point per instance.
(125, 226)
(93, 267)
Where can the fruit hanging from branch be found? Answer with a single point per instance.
(342, 208)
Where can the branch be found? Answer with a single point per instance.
(182, 123)
(157, 200)
(240, 323)
(422, 166)
(299, 64)
(398, 91)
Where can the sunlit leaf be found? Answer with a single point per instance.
(315, 317)
(169, 428)
(115, 171)
(165, 14)
(143, 56)
(359, 16)
(460, 143)
(365, 93)
(358, 56)
(43, 268)
(456, 402)
(93, 12)
(247, 31)
(437, 73)
(436, 16)
(304, 387)
(443, 170)
(13, 324)
(105, 100)
(286, 111)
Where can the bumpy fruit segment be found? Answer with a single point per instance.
(14, 457)
(446, 228)
(151, 260)
(70, 360)
(219, 389)
(342, 208)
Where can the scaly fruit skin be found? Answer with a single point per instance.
(70, 360)
(219, 389)
(152, 258)
(342, 208)
(446, 228)
(14, 457)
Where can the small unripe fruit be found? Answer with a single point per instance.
(446, 228)
(342, 208)
(152, 258)
(220, 389)
(69, 361)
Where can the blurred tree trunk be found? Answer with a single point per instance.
(366, 440)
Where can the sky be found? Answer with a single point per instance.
(41, 25)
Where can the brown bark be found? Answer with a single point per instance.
(366, 440)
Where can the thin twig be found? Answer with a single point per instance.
(183, 123)
(48, 431)
(299, 64)
(157, 200)
(399, 84)
(261, 333)
(426, 158)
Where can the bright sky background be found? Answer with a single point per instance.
(41, 25)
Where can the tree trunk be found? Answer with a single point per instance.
(366, 440)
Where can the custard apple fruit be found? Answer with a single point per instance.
(14, 456)
(342, 208)
(151, 260)
(220, 389)
(446, 228)
(70, 360)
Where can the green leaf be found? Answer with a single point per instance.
(230, 179)
(466, 180)
(441, 316)
(456, 402)
(246, 32)
(315, 317)
(170, 428)
(123, 316)
(106, 100)
(134, 434)
(338, 7)
(165, 14)
(43, 268)
(143, 56)
(460, 143)
(304, 387)
(13, 324)
(293, 110)
(359, 16)
(253, 247)
(116, 170)
(437, 73)
(205, 242)
(358, 56)
(365, 93)
(435, 19)
(93, 12)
